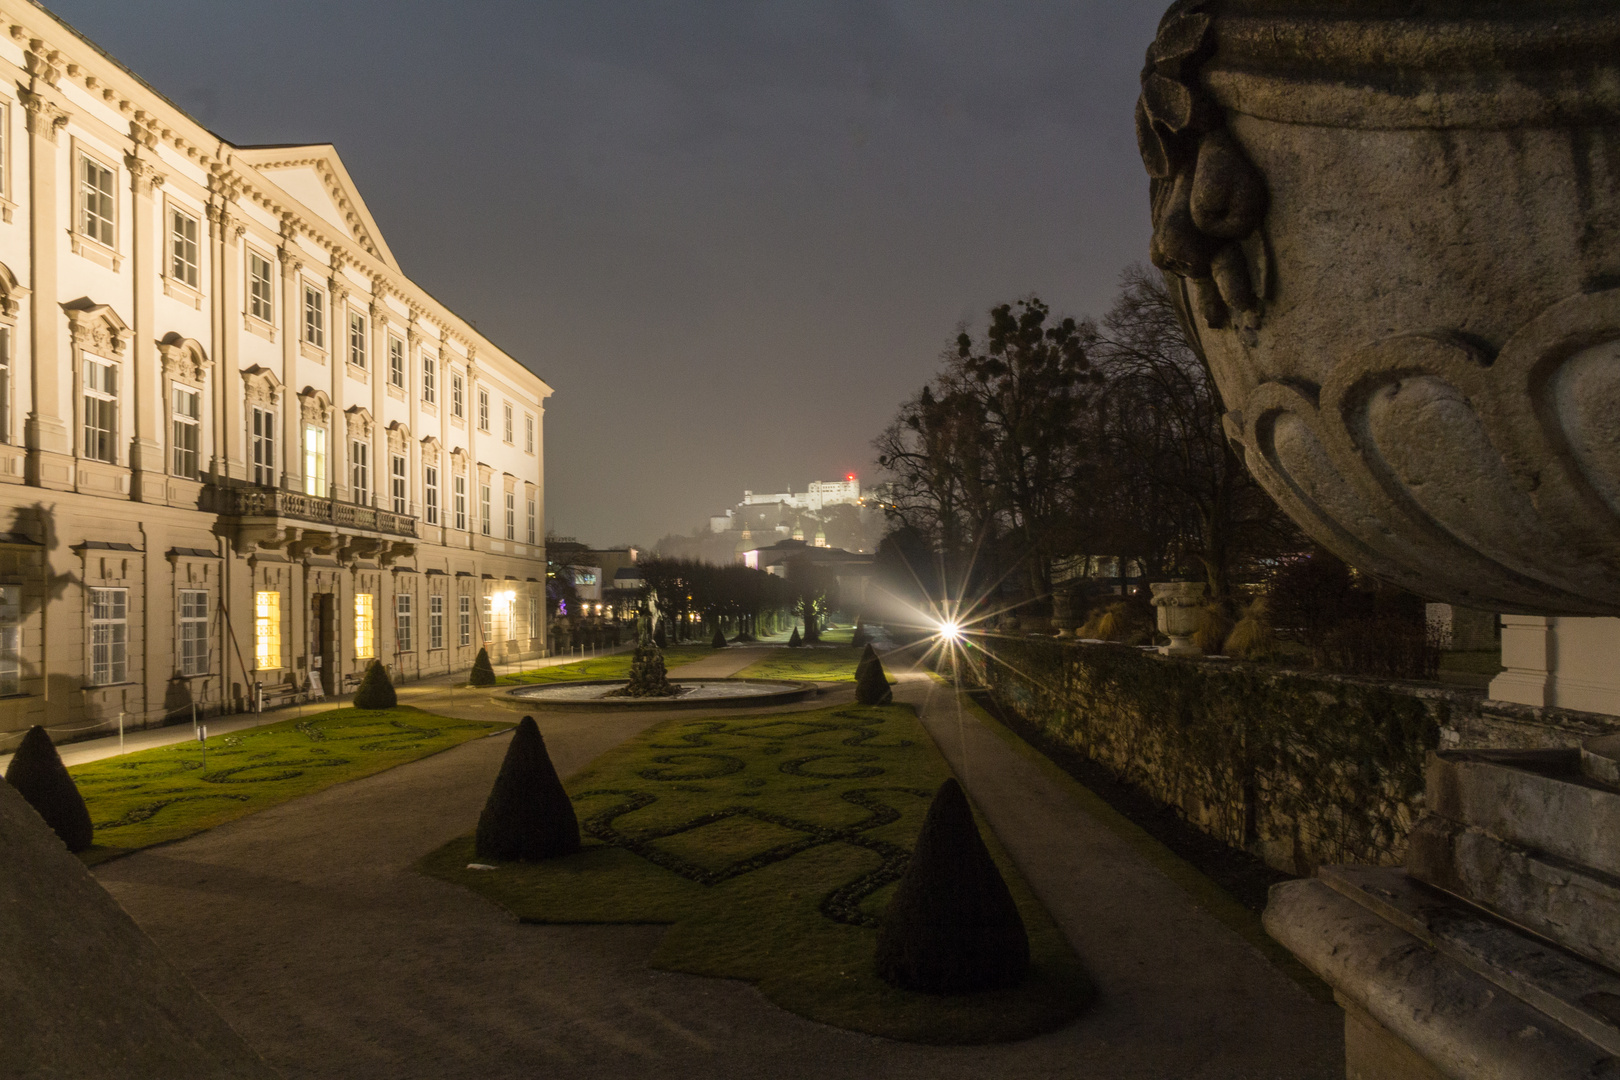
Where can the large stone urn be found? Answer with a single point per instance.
(1178, 603)
(1393, 229)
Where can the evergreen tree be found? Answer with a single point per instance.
(37, 772)
(794, 642)
(871, 681)
(952, 926)
(528, 815)
(376, 691)
(483, 672)
(719, 641)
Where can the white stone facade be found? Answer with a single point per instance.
(239, 449)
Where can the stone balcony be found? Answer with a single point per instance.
(300, 525)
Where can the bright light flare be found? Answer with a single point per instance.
(950, 631)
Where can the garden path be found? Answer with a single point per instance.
(307, 926)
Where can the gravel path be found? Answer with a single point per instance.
(308, 928)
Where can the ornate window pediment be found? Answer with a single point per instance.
(399, 438)
(359, 421)
(261, 386)
(11, 293)
(431, 448)
(184, 359)
(96, 328)
(314, 406)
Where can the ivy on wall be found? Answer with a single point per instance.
(1299, 769)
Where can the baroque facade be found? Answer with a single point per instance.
(242, 455)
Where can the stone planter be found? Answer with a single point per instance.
(1396, 238)
(1064, 620)
(1178, 603)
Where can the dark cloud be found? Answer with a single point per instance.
(731, 235)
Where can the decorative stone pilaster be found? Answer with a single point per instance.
(46, 429)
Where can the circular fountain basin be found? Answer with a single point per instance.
(595, 695)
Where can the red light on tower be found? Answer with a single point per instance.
(849, 476)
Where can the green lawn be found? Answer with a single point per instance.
(837, 635)
(771, 844)
(152, 796)
(805, 665)
(614, 666)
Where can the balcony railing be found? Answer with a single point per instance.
(267, 502)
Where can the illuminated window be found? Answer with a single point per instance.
(266, 630)
(365, 626)
(315, 461)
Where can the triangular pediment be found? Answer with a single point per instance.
(315, 177)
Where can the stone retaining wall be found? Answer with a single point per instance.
(1300, 768)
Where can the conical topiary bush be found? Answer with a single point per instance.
(794, 642)
(483, 673)
(719, 639)
(871, 681)
(952, 926)
(528, 815)
(37, 772)
(860, 637)
(375, 691)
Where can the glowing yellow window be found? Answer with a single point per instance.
(267, 630)
(365, 626)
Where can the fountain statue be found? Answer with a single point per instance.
(1393, 230)
(648, 675)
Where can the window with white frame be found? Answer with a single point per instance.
(10, 639)
(100, 410)
(430, 493)
(360, 471)
(314, 316)
(488, 625)
(183, 248)
(357, 339)
(263, 438)
(435, 622)
(365, 626)
(109, 633)
(531, 521)
(5, 380)
(459, 502)
(511, 516)
(266, 630)
(396, 362)
(187, 431)
(315, 460)
(484, 514)
(483, 409)
(193, 632)
(98, 195)
(430, 379)
(261, 290)
(464, 619)
(402, 622)
(534, 616)
(396, 482)
(457, 395)
(506, 422)
(528, 434)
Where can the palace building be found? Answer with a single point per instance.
(242, 455)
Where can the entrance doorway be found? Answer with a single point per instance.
(324, 610)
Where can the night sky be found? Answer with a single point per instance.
(732, 236)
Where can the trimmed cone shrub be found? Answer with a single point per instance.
(528, 815)
(795, 642)
(952, 926)
(719, 640)
(860, 636)
(376, 691)
(871, 681)
(39, 776)
(483, 673)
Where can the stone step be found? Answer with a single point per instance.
(1538, 800)
(1582, 996)
(1573, 905)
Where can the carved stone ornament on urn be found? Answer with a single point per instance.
(1178, 603)
(1392, 227)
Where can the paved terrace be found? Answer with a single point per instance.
(309, 929)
